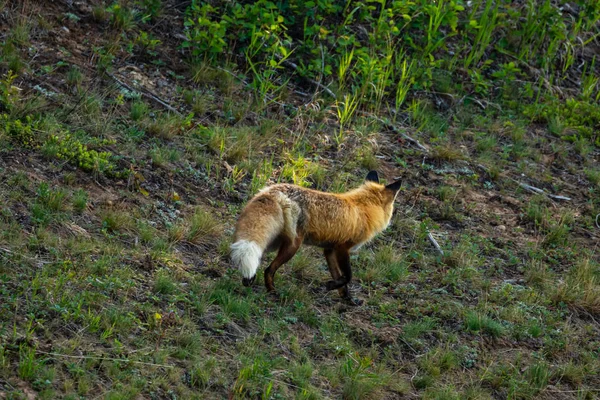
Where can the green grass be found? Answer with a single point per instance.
(476, 322)
(118, 202)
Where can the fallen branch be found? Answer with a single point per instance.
(530, 188)
(147, 94)
(105, 359)
(390, 126)
(533, 189)
(435, 243)
(317, 84)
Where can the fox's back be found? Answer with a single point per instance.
(327, 218)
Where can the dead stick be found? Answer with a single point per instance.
(530, 188)
(404, 135)
(541, 191)
(148, 94)
(435, 243)
(106, 359)
(317, 84)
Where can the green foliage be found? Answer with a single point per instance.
(145, 43)
(580, 118)
(164, 283)
(53, 200)
(203, 227)
(151, 9)
(123, 18)
(74, 151)
(74, 77)
(23, 132)
(123, 288)
(9, 94)
(402, 48)
(360, 378)
(478, 322)
(581, 288)
(138, 110)
(80, 198)
(299, 169)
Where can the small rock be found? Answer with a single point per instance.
(501, 228)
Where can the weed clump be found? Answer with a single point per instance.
(477, 322)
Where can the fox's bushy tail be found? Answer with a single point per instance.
(268, 216)
(245, 256)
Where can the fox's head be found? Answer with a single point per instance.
(385, 194)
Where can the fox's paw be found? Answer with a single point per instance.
(330, 285)
(353, 301)
(273, 295)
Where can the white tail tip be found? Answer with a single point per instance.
(245, 256)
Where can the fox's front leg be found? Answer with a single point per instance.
(334, 270)
(342, 258)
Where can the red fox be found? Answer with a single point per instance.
(282, 217)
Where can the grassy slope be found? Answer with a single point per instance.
(116, 285)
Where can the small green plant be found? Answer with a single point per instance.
(53, 200)
(446, 153)
(405, 80)
(414, 330)
(581, 288)
(166, 126)
(360, 379)
(299, 169)
(80, 198)
(123, 18)
(9, 94)
(99, 13)
(152, 9)
(74, 77)
(446, 193)
(115, 221)
(67, 147)
(162, 155)
(593, 175)
(203, 227)
(138, 110)
(345, 110)
(205, 38)
(477, 322)
(28, 365)
(164, 283)
(23, 132)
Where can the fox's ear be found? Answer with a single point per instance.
(372, 177)
(394, 187)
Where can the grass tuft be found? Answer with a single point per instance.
(581, 287)
(477, 322)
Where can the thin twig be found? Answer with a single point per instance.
(530, 188)
(317, 84)
(389, 125)
(148, 94)
(597, 223)
(533, 189)
(31, 259)
(435, 243)
(106, 359)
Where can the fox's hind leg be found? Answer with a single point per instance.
(336, 273)
(287, 250)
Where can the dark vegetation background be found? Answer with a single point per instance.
(133, 132)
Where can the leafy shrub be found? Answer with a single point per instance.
(22, 132)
